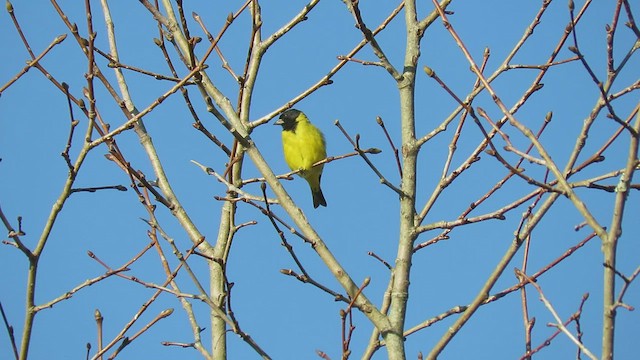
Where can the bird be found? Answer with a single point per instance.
(303, 145)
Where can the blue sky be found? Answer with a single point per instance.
(287, 318)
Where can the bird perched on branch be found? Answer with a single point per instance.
(303, 145)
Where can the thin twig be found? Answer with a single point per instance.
(360, 152)
(393, 147)
(553, 312)
(9, 328)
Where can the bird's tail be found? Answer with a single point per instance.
(318, 198)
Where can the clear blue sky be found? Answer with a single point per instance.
(290, 320)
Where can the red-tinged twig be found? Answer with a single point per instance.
(362, 154)
(12, 338)
(15, 235)
(529, 323)
(354, 9)
(611, 30)
(545, 269)
(110, 272)
(159, 290)
(304, 278)
(73, 123)
(498, 214)
(599, 85)
(115, 64)
(283, 239)
(128, 340)
(175, 290)
(347, 314)
(576, 318)
(627, 282)
(559, 323)
(326, 79)
(393, 147)
(200, 127)
(346, 335)
(280, 220)
(432, 74)
(535, 86)
(187, 35)
(564, 187)
(322, 355)
(542, 66)
(632, 22)
(135, 118)
(536, 83)
(187, 306)
(177, 253)
(505, 137)
(518, 171)
(381, 260)
(185, 93)
(35, 60)
(11, 12)
(502, 293)
(308, 280)
(453, 145)
(225, 63)
(212, 39)
(140, 178)
(598, 155)
(81, 41)
(526, 319)
(545, 343)
(86, 283)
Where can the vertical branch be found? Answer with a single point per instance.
(610, 243)
(217, 279)
(97, 315)
(254, 56)
(400, 278)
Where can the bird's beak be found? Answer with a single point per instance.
(278, 122)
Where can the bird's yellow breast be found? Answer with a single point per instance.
(303, 147)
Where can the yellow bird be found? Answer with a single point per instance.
(303, 145)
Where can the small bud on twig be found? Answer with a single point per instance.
(429, 71)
